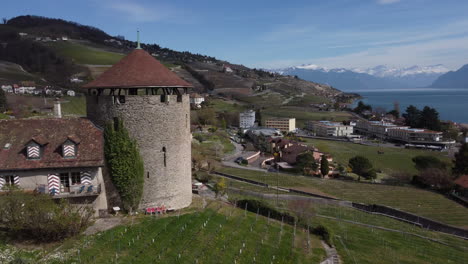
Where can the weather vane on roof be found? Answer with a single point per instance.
(138, 39)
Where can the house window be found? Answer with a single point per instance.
(64, 182)
(69, 149)
(68, 179)
(75, 178)
(33, 151)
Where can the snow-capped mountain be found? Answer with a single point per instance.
(386, 71)
(378, 77)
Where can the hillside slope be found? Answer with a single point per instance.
(69, 49)
(453, 79)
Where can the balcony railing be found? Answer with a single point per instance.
(81, 190)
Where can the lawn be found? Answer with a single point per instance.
(74, 106)
(425, 203)
(393, 159)
(82, 54)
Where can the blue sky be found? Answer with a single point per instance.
(273, 33)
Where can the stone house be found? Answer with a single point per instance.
(56, 156)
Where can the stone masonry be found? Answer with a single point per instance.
(162, 131)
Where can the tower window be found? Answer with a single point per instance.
(163, 98)
(122, 99)
(179, 98)
(164, 152)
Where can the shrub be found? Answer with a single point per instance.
(39, 217)
(202, 176)
(264, 209)
(323, 232)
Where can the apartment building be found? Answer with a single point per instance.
(282, 124)
(329, 129)
(247, 119)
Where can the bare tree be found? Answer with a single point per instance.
(396, 107)
(4, 20)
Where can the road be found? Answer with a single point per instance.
(228, 160)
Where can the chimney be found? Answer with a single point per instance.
(57, 108)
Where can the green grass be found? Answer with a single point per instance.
(358, 242)
(3, 116)
(425, 203)
(209, 236)
(306, 100)
(303, 115)
(220, 105)
(82, 54)
(209, 139)
(393, 159)
(75, 106)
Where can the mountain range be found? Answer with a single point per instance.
(378, 77)
(453, 79)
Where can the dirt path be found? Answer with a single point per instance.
(103, 224)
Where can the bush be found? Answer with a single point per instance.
(202, 177)
(244, 162)
(265, 210)
(324, 233)
(39, 217)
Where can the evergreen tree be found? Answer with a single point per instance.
(324, 169)
(306, 162)
(361, 166)
(125, 164)
(429, 119)
(461, 161)
(3, 101)
(412, 116)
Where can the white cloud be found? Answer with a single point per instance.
(453, 53)
(148, 12)
(387, 2)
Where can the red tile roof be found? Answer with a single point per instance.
(462, 181)
(138, 69)
(290, 154)
(52, 133)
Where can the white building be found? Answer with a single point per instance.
(196, 100)
(7, 88)
(76, 80)
(330, 129)
(415, 135)
(282, 124)
(71, 93)
(247, 119)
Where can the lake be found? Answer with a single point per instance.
(452, 104)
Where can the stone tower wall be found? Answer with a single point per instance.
(156, 126)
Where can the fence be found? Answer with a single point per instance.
(375, 209)
(413, 219)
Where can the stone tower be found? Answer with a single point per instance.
(153, 104)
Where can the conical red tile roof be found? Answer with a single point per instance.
(138, 69)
